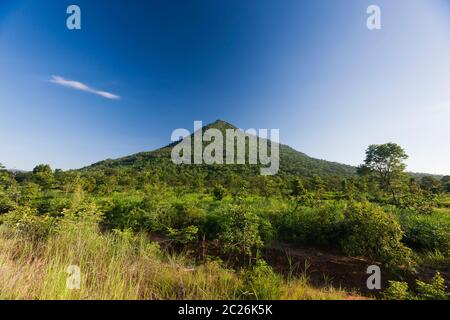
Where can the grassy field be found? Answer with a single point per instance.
(133, 240)
(119, 261)
(120, 265)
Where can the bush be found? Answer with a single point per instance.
(6, 204)
(370, 231)
(436, 260)
(240, 233)
(435, 290)
(261, 283)
(219, 192)
(26, 222)
(184, 236)
(397, 291)
(185, 213)
(122, 212)
(356, 229)
(85, 215)
(320, 226)
(426, 232)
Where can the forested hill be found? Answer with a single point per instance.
(292, 162)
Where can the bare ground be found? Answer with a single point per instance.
(322, 268)
(325, 268)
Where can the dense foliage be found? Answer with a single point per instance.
(233, 213)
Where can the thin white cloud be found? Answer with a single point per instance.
(82, 87)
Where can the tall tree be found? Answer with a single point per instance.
(446, 183)
(43, 175)
(387, 162)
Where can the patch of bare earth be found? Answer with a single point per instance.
(325, 268)
(321, 268)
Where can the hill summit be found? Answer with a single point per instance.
(292, 162)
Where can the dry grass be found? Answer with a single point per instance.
(118, 266)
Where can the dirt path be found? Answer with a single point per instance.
(321, 268)
(325, 268)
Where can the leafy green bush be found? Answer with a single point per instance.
(240, 233)
(26, 222)
(319, 226)
(122, 212)
(261, 283)
(184, 236)
(185, 213)
(86, 213)
(435, 290)
(6, 204)
(397, 290)
(431, 232)
(370, 231)
(51, 203)
(444, 200)
(219, 192)
(140, 213)
(357, 229)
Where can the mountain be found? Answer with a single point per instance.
(16, 170)
(292, 162)
(420, 175)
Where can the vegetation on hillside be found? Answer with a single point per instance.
(201, 232)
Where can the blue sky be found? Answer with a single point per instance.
(310, 68)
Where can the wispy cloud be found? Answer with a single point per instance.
(83, 87)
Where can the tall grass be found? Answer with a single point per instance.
(113, 266)
(119, 265)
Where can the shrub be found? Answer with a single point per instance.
(434, 290)
(240, 233)
(261, 283)
(426, 232)
(26, 222)
(319, 226)
(123, 212)
(397, 291)
(356, 229)
(370, 231)
(6, 203)
(85, 215)
(219, 192)
(184, 236)
(185, 213)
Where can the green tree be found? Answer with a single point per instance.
(418, 199)
(29, 193)
(241, 232)
(348, 188)
(431, 184)
(298, 189)
(386, 161)
(219, 192)
(43, 175)
(445, 181)
(301, 194)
